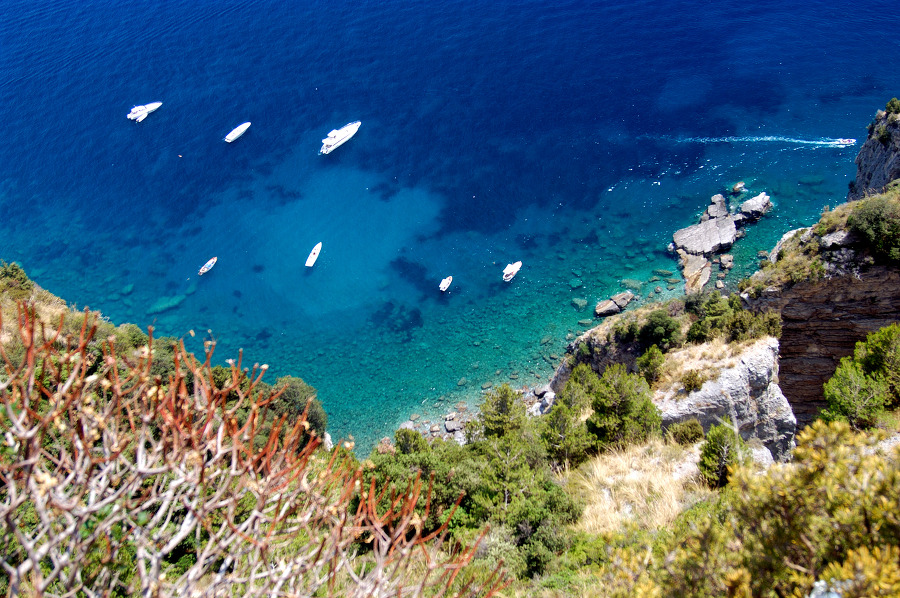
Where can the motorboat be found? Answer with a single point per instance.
(313, 255)
(445, 284)
(139, 113)
(338, 137)
(846, 142)
(511, 270)
(208, 266)
(237, 132)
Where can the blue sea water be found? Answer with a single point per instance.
(574, 136)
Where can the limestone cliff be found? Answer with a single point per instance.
(744, 388)
(878, 162)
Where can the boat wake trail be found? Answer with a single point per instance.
(823, 142)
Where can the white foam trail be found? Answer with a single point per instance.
(824, 142)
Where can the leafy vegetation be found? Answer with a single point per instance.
(724, 448)
(14, 283)
(623, 412)
(692, 380)
(721, 317)
(867, 382)
(686, 432)
(877, 220)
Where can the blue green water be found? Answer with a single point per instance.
(573, 137)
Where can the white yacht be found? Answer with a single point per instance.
(237, 132)
(445, 284)
(313, 255)
(511, 270)
(339, 137)
(139, 113)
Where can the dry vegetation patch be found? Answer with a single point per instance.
(710, 358)
(647, 486)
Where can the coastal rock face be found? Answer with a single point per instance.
(614, 304)
(696, 270)
(755, 208)
(878, 161)
(716, 232)
(748, 393)
(821, 322)
(708, 237)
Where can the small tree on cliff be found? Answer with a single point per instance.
(623, 412)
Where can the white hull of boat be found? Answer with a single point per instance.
(511, 270)
(339, 137)
(208, 266)
(445, 284)
(139, 113)
(313, 255)
(237, 132)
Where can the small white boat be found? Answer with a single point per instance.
(139, 113)
(445, 284)
(208, 266)
(846, 142)
(313, 255)
(511, 270)
(339, 137)
(237, 132)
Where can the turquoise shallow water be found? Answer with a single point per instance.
(573, 138)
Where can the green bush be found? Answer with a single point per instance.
(661, 330)
(879, 354)
(685, 433)
(877, 220)
(502, 412)
(14, 282)
(410, 441)
(854, 396)
(650, 364)
(623, 412)
(883, 134)
(564, 435)
(693, 380)
(723, 449)
(893, 106)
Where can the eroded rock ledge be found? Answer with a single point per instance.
(716, 232)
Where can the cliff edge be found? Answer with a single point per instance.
(878, 162)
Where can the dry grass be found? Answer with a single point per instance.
(646, 486)
(49, 308)
(709, 358)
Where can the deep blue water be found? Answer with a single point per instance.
(572, 136)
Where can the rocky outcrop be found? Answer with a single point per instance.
(878, 161)
(614, 304)
(716, 232)
(747, 393)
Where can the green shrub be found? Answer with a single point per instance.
(623, 412)
(693, 380)
(410, 441)
(564, 435)
(723, 449)
(879, 354)
(855, 397)
(14, 282)
(685, 433)
(882, 134)
(625, 330)
(502, 412)
(661, 330)
(877, 220)
(893, 106)
(650, 364)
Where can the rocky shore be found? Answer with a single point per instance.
(716, 232)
